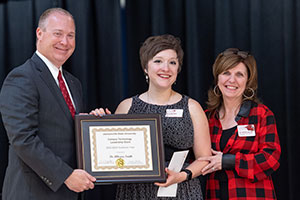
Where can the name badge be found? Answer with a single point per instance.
(246, 130)
(174, 112)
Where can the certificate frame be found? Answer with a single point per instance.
(96, 137)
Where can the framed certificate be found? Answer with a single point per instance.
(124, 148)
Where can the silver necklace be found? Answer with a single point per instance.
(167, 103)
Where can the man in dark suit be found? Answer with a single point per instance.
(38, 101)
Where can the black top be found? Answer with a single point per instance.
(226, 134)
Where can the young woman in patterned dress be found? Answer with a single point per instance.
(161, 60)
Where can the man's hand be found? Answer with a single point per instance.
(80, 180)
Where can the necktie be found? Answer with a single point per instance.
(65, 93)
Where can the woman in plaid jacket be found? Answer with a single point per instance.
(245, 143)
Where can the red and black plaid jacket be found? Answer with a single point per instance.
(256, 157)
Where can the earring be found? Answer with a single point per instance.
(215, 91)
(251, 96)
(147, 78)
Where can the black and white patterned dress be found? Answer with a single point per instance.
(177, 135)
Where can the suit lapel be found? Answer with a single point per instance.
(48, 79)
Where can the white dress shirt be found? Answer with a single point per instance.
(54, 71)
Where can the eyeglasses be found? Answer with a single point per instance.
(230, 51)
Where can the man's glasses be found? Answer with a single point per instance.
(230, 51)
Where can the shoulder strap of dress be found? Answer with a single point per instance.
(135, 99)
(185, 99)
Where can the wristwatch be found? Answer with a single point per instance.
(189, 174)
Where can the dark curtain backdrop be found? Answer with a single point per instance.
(106, 57)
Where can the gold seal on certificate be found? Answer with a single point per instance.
(121, 148)
(120, 162)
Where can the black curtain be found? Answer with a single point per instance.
(106, 58)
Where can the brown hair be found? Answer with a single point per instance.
(43, 18)
(226, 60)
(155, 44)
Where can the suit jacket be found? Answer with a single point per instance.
(40, 129)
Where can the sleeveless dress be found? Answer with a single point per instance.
(178, 135)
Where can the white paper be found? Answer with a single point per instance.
(112, 146)
(175, 165)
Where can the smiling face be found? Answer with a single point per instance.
(56, 41)
(232, 82)
(163, 68)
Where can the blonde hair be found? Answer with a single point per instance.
(43, 18)
(226, 60)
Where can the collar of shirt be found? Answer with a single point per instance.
(243, 112)
(52, 68)
(54, 71)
